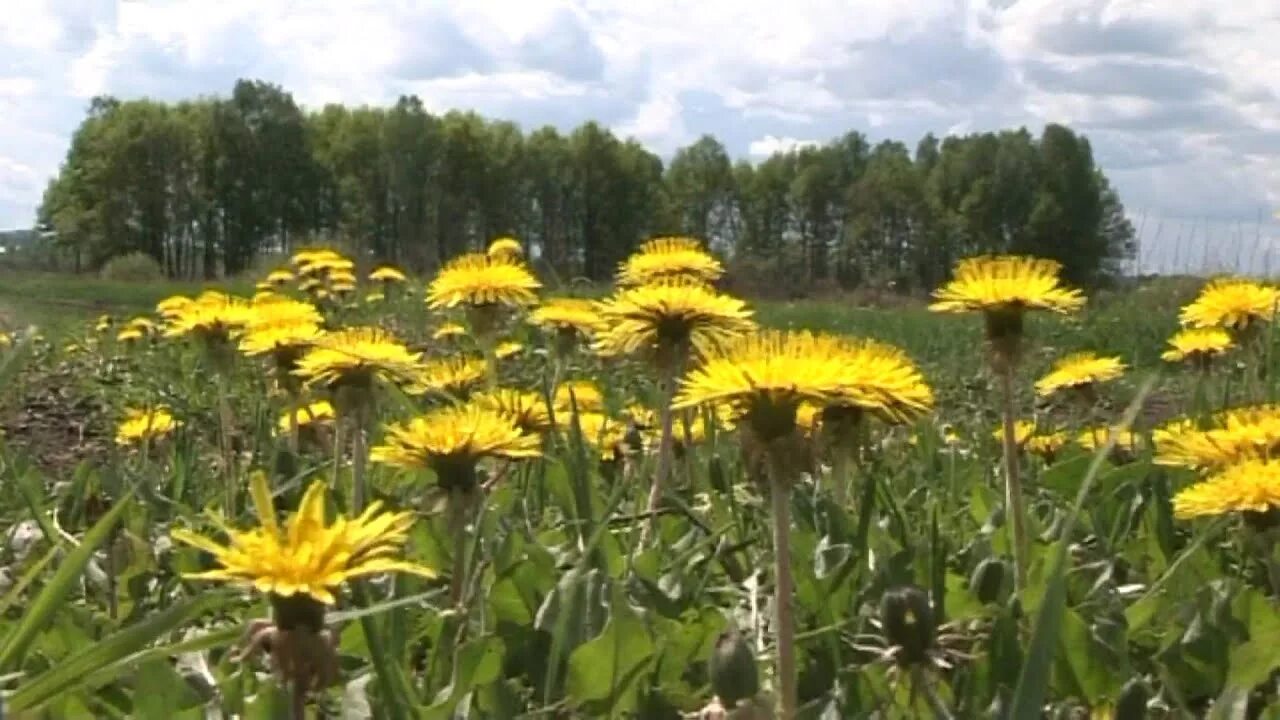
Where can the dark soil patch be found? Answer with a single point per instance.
(56, 427)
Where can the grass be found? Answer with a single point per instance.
(564, 611)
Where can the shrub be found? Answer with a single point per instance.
(133, 267)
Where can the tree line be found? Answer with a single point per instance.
(205, 186)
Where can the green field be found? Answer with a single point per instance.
(564, 609)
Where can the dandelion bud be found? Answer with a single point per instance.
(732, 668)
(987, 581)
(1132, 703)
(716, 475)
(908, 623)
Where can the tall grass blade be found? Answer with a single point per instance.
(1033, 682)
(52, 597)
(76, 670)
(27, 578)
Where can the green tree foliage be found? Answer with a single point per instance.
(205, 186)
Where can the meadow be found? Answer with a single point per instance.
(464, 521)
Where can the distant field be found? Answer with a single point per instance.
(1133, 324)
(53, 300)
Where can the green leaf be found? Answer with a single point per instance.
(1064, 477)
(397, 691)
(1144, 608)
(271, 703)
(75, 670)
(604, 672)
(1254, 661)
(160, 692)
(1124, 474)
(476, 664)
(27, 578)
(1033, 681)
(198, 643)
(1091, 676)
(54, 594)
(29, 485)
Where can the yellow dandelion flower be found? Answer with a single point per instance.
(1198, 345)
(1252, 486)
(508, 349)
(342, 277)
(306, 257)
(278, 278)
(139, 425)
(311, 285)
(169, 307)
(449, 376)
(477, 279)
(586, 397)
(603, 434)
(528, 411)
(6, 340)
(506, 248)
(567, 314)
(105, 323)
(1232, 303)
(1005, 283)
(213, 316)
(375, 297)
(1233, 436)
(306, 556)
(767, 376)
(1023, 430)
(130, 335)
(669, 258)
(645, 420)
(670, 318)
(265, 296)
(144, 325)
(357, 357)
(1079, 370)
(1046, 446)
(1093, 438)
(317, 413)
(281, 326)
(449, 330)
(809, 418)
(319, 262)
(643, 417)
(451, 441)
(387, 274)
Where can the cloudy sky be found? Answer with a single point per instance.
(1181, 98)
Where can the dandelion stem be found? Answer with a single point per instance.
(666, 386)
(359, 459)
(113, 603)
(225, 423)
(457, 506)
(338, 439)
(1013, 483)
(841, 461)
(780, 494)
(920, 681)
(294, 407)
(298, 701)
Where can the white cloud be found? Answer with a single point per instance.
(770, 144)
(1181, 99)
